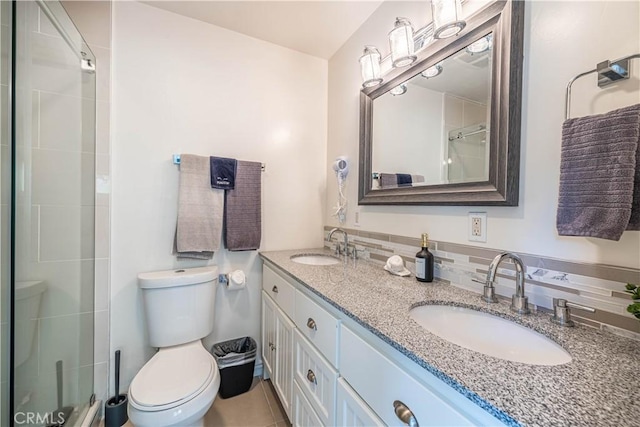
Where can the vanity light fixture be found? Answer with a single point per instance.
(482, 45)
(432, 71)
(447, 20)
(370, 67)
(402, 43)
(401, 89)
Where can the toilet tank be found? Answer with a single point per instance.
(178, 304)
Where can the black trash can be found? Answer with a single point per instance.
(236, 359)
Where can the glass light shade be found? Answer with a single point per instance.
(401, 89)
(482, 45)
(432, 71)
(402, 44)
(447, 20)
(370, 67)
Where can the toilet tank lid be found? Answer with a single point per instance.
(177, 277)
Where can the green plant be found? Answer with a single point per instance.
(634, 308)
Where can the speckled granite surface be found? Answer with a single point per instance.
(599, 387)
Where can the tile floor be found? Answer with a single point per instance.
(259, 407)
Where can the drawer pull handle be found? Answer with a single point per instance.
(311, 324)
(311, 377)
(275, 289)
(404, 414)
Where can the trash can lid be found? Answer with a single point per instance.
(172, 376)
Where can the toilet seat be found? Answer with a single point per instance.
(172, 377)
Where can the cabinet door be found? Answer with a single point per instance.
(316, 378)
(304, 415)
(351, 410)
(283, 377)
(268, 335)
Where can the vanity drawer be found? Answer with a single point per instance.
(304, 415)
(318, 326)
(281, 291)
(351, 409)
(316, 378)
(383, 385)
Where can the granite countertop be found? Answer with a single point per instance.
(599, 387)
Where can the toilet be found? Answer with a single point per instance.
(178, 385)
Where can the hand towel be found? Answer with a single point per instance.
(243, 223)
(417, 178)
(404, 180)
(223, 172)
(388, 180)
(599, 175)
(200, 210)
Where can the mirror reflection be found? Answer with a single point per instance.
(434, 128)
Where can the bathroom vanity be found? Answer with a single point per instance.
(342, 349)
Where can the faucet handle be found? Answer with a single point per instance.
(488, 292)
(561, 313)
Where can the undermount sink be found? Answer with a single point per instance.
(490, 335)
(315, 259)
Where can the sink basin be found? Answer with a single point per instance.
(315, 259)
(490, 335)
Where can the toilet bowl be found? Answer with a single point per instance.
(178, 385)
(175, 388)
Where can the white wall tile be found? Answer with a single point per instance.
(101, 337)
(60, 122)
(66, 233)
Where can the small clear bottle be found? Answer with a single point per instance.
(424, 261)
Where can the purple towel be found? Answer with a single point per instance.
(243, 209)
(600, 175)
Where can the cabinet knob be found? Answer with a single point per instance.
(311, 377)
(274, 289)
(404, 414)
(311, 324)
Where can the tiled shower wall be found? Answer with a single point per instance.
(93, 20)
(594, 285)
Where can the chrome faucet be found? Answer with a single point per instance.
(346, 241)
(519, 302)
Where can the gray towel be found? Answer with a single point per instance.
(200, 210)
(388, 180)
(243, 223)
(600, 175)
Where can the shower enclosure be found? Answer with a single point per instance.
(48, 106)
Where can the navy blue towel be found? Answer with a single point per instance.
(404, 179)
(223, 173)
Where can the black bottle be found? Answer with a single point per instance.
(424, 261)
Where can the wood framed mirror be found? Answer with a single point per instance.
(446, 130)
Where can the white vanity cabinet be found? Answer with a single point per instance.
(338, 373)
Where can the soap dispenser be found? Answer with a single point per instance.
(424, 261)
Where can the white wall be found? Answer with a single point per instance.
(562, 39)
(183, 86)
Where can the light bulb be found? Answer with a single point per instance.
(370, 67)
(447, 20)
(402, 44)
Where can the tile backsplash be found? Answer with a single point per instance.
(594, 285)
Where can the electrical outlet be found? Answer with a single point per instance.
(477, 226)
(356, 223)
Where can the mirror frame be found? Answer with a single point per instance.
(506, 20)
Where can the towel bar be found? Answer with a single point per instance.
(608, 72)
(176, 161)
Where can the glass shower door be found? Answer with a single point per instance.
(53, 236)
